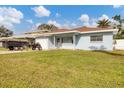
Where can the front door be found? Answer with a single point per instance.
(58, 42)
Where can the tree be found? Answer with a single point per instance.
(119, 25)
(49, 27)
(103, 23)
(4, 32)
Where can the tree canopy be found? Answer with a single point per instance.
(49, 27)
(120, 21)
(4, 32)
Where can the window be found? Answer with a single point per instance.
(67, 40)
(96, 38)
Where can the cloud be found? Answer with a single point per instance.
(104, 16)
(70, 25)
(10, 16)
(92, 22)
(73, 24)
(61, 26)
(37, 24)
(54, 23)
(58, 14)
(117, 6)
(85, 19)
(41, 11)
(67, 24)
(29, 21)
(114, 22)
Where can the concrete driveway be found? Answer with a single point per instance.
(9, 52)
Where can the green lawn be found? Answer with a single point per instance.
(62, 68)
(3, 49)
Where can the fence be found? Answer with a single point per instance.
(119, 44)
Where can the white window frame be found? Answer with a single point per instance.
(97, 38)
(70, 37)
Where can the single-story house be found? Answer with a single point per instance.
(3, 40)
(84, 38)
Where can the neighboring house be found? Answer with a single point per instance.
(7, 42)
(16, 40)
(84, 38)
(2, 41)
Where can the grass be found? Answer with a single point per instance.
(62, 68)
(3, 49)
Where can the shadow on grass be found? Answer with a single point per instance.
(110, 53)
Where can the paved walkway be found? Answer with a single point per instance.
(9, 52)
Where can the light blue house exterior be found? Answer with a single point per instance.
(83, 40)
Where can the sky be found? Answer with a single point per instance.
(20, 18)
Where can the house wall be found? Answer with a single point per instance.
(51, 42)
(43, 41)
(46, 42)
(1, 44)
(83, 42)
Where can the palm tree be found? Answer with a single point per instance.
(103, 23)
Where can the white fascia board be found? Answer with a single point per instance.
(55, 33)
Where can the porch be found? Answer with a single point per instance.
(64, 41)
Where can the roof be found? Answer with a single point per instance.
(23, 36)
(61, 30)
(37, 31)
(86, 29)
(12, 39)
(83, 29)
